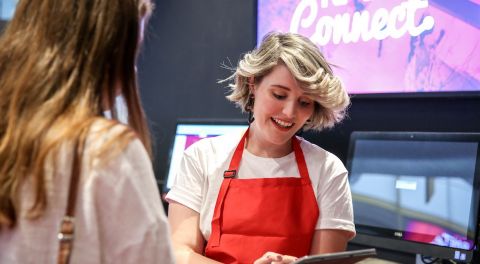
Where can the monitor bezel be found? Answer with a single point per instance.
(408, 246)
(193, 121)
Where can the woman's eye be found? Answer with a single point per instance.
(305, 103)
(279, 96)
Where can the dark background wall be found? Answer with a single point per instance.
(180, 65)
(186, 45)
(189, 40)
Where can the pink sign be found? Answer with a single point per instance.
(387, 46)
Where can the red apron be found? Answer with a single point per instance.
(253, 216)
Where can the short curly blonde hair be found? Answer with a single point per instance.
(307, 65)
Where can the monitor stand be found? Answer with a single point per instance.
(418, 260)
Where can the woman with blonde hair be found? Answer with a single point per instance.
(75, 185)
(266, 195)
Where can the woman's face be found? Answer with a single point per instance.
(281, 108)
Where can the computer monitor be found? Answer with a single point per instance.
(7, 8)
(416, 192)
(190, 131)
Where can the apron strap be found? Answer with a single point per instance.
(300, 158)
(217, 215)
(228, 175)
(237, 157)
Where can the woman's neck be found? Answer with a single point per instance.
(259, 146)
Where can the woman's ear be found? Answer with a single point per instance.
(251, 84)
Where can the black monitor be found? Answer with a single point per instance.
(188, 131)
(416, 192)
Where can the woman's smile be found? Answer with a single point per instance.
(283, 125)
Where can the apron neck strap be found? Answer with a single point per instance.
(300, 158)
(237, 157)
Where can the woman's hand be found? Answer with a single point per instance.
(275, 258)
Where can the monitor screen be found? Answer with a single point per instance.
(416, 192)
(188, 132)
(387, 46)
(7, 8)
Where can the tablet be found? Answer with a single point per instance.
(345, 257)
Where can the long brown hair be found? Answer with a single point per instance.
(60, 62)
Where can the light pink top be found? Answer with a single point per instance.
(119, 215)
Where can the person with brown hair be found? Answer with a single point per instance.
(63, 66)
(267, 195)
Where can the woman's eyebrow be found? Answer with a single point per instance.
(281, 86)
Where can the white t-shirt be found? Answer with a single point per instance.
(119, 217)
(201, 174)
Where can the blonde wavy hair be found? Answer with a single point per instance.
(61, 63)
(307, 65)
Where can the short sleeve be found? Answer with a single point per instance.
(132, 223)
(187, 186)
(335, 199)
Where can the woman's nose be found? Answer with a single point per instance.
(289, 109)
